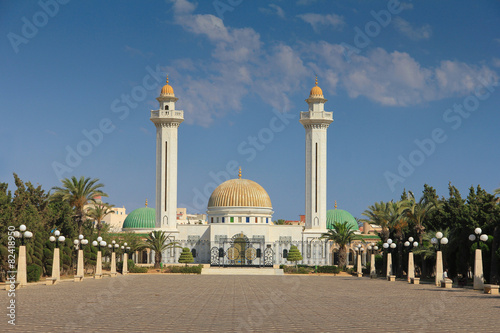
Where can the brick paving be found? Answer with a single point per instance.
(201, 303)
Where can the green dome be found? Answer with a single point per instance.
(339, 215)
(140, 218)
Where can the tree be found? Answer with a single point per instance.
(98, 212)
(377, 214)
(342, 234)
(186, 256)
(78, 193)
(158, 241)
(294, 255)
(280, 221)
(417, 212)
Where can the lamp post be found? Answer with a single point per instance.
(410, 244)
(372, 248)
(125, 259)
(56, 268)
(359, 250)
(388, 246)
(439, 240)
(98, 269)
(478, 258)
(79, 243)
(23, 234)
(113, 246)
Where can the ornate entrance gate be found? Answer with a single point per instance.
(242, 252)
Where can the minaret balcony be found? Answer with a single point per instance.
(320, 115)
(167, 115)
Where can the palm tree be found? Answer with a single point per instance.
(417, 212)
(378, 214)
(98, 212)
(78, 193)
(398, 222)
(158, 241)
(342, 234)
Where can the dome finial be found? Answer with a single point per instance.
(335, 204)
(239, 174)
(316, 79)
(146, 202)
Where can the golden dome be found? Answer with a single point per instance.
(239, 193)
(316, 90)
(167, 89)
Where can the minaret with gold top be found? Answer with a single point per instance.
(166, 119)
(316, 121)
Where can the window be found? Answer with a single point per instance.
(285, 253)
(166, 107)
(232, 219)
(221, 252)
(212, 220)
(223, 219)
(256, 220)
(267, 220)
(259, 253)
(193, 252)
(248, 220)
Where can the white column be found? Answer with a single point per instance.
(373, 269)
(358, 263)
(98, 264)
(56, 271)
(125, 264)
(439, 268)
(22, 276)
(411, 267)
(79, 267)
(389, 264)
(478, 270)
(113, 264)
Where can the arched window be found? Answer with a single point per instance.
(193, 252)
(285, 253)
(166, 107)
(221, 252)
(259, 252)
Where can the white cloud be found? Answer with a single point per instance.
(415, 33)
(319, 22)
(241, 64)
(277, 10)
(496, 62)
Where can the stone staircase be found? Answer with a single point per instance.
(241, 271)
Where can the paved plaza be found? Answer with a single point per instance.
(197, 303)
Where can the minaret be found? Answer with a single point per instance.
(167, 119)
(316, 122)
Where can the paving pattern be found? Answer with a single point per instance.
(203, 303)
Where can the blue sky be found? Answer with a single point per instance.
(413, 87)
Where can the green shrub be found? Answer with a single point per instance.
(328, 269)
(184, 269)
(130, 263)
(186, 256)
(304, 270)
(34, 272)
(137, 269)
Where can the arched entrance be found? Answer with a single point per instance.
(241, 251)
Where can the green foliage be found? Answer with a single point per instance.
(137, 269)
(186, 256)
(342, 234)
(78, 193)
(184, 269)
(294, 254)
(130, 263)
(158, 241)
(328, 269)
(33, 272)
